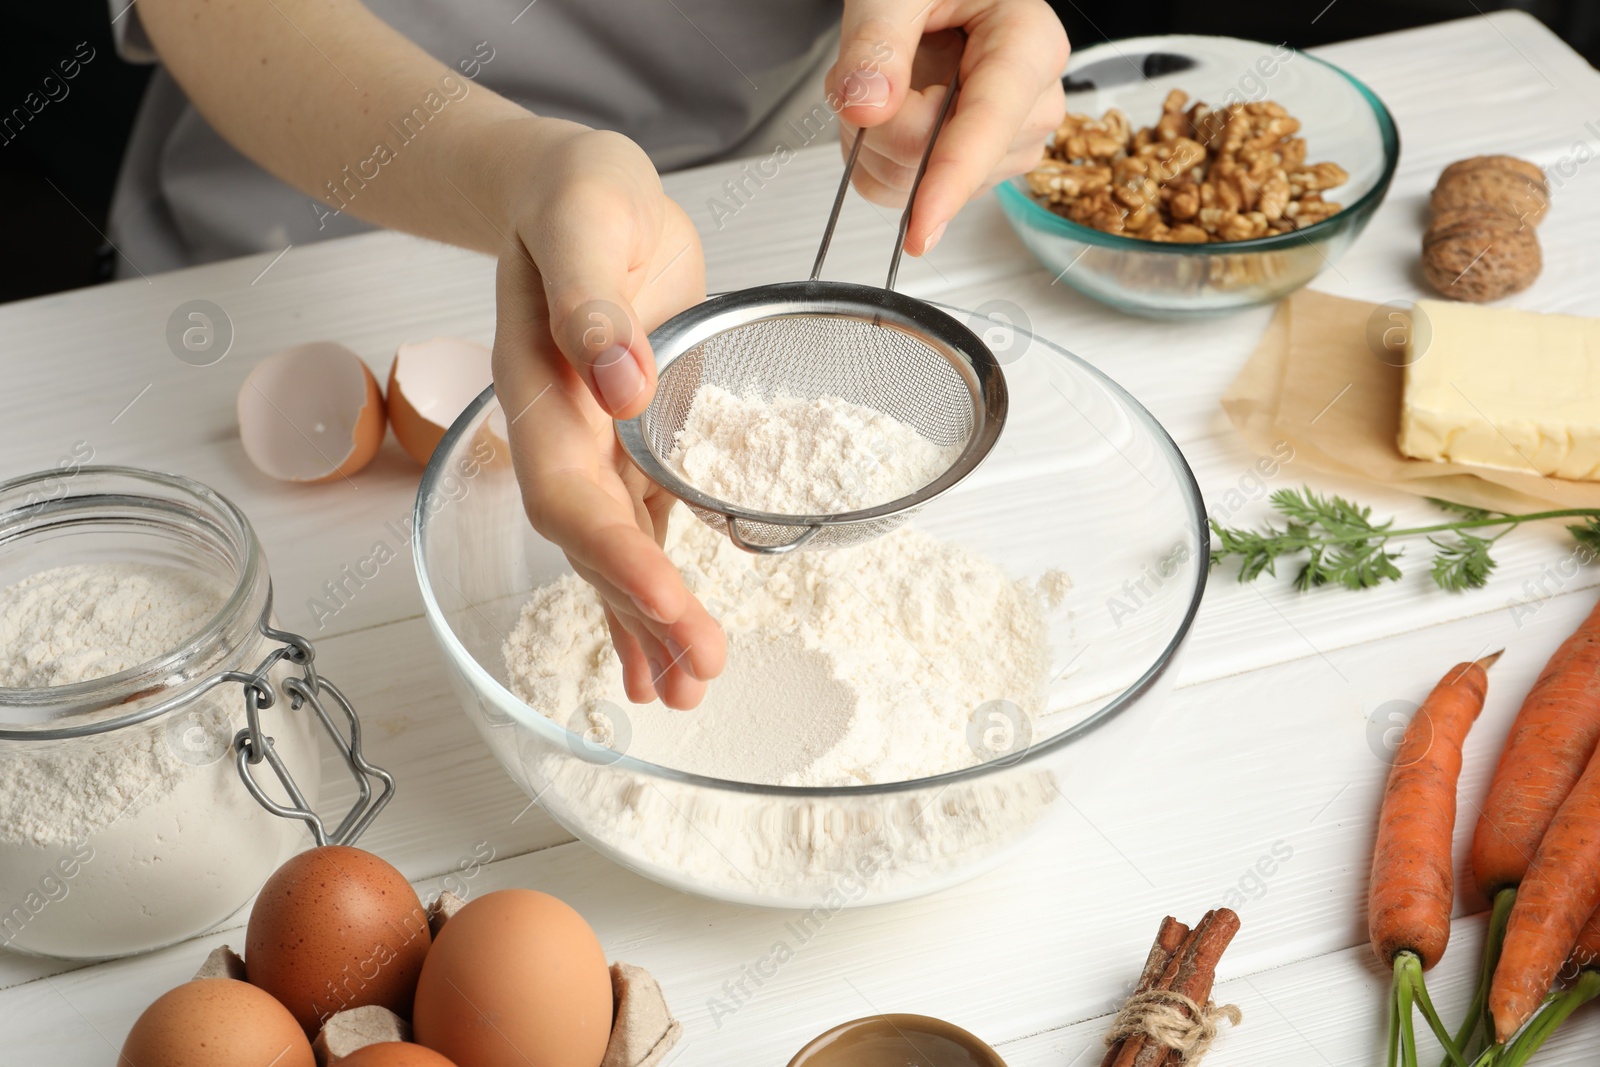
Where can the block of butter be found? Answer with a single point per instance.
(1497, 387)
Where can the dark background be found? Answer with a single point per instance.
(56, 176)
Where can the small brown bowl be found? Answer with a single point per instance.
(896, 1041)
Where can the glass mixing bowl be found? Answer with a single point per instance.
(1341, 119)
(1083, 480)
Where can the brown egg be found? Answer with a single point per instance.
(515, 977)
(311, 413)
(336, 928)
(394, 1054)
(430, 383)
(216, 1022)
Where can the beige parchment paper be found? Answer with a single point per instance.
(1315, 382)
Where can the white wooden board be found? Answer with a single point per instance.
(1273, 726)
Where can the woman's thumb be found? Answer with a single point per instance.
(601, 338)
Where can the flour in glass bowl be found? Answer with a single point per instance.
(849, 667)
(886, 661)
(151, 821)
(846, 667)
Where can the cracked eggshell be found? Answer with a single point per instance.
(311, 413)
(430, 385)
(491, 445)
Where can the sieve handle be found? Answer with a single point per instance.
(768, 550)
(916, 183)
(838, 202)
(922, 168)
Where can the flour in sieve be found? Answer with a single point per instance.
(793, 456)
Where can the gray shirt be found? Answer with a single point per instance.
(690, 81)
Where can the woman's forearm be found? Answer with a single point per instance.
(334, 102)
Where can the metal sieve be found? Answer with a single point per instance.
(870, 346)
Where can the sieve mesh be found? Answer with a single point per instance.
(805, 340)
(807, 356)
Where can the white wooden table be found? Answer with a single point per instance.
(1271, 722)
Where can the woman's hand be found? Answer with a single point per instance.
(592, 256)
(599, 256)
(894, 62)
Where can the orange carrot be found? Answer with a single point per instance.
(1550, 743)
(1582, 974)
(1585, 954)
(1557, 896)
(1413, 887)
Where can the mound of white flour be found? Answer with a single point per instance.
(859, 665)
(791, 456)
(894, 660)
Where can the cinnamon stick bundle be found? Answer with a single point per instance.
(1169, 939)
(1188, 967)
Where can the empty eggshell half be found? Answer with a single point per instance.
(311, 413)
(490, 441)
(430, 384)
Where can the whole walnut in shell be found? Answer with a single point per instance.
(1493, 189)
(1480, 257)
(1481, 244)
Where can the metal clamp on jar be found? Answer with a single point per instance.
(123, 826)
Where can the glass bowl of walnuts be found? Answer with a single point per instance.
(1198, 175)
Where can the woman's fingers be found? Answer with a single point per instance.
(696, 644)
(880, 180)
(594, 231)
(607, 285)
(680, 691)
(1015, 53)
(693, 644)
(877, 44)
(892, 152)
(651, 669)
(1012, 53)
(598, 531)
(572, 495)
(592, 320)
(601, 256)
(866, 182)
(635, 667)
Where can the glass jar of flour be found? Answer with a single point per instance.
(158, 754)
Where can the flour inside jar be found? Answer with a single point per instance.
(147, 827)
